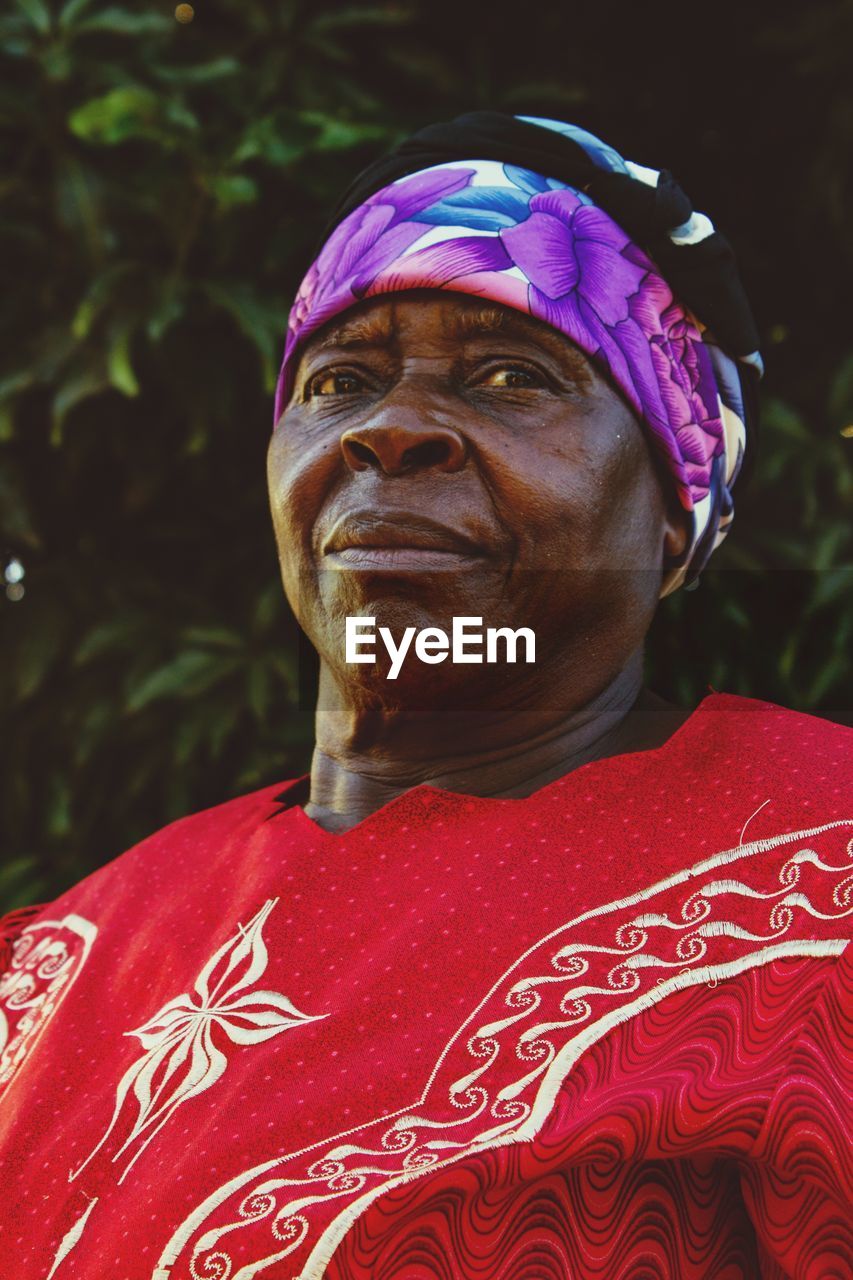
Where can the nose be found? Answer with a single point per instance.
(403, 441)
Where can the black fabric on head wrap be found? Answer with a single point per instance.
(703, 276)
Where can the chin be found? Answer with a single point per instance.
(454, 693)
(400, 601)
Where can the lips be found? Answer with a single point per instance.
(400, 540)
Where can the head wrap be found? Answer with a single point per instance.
(544, 217)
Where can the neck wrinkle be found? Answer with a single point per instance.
(350, 782)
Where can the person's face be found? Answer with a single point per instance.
(442, 457)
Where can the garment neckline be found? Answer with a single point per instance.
(425, 792)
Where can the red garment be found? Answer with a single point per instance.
(602, 1032)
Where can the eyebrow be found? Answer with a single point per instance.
(377, 328)
(374, 329)
(469, 323)
(487, 321)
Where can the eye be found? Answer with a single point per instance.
(332, 382)
(510, 377)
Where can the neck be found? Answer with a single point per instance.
(364, 758)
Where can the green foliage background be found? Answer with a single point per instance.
(162, 191)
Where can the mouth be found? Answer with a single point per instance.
(401, 541)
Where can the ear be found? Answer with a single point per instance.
(677, 523)
(677, 528)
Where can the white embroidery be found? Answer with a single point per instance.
(71, 1237)
(181, 1059)
(406, 1144)
(46, 959)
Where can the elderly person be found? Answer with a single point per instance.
(536, 974)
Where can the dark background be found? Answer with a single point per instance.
(162, 188)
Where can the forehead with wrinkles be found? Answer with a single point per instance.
(374, 324)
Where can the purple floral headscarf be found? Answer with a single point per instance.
(508, 235)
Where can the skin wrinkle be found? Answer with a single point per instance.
(509, 751)
(554, 481)
(377, 328)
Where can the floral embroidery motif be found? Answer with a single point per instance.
(46, 959)
(738, 909)
(181, 1059)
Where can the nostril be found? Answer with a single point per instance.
(429, 453)
(396, 450)
(361, 453)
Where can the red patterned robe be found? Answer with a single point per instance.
(603, 1032)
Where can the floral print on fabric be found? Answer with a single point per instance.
(512, 236)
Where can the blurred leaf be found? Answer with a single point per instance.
(58, 809)
(37, 13)
(232, 189)
(284, 664)
(269, 607)
(201, 73)
(16, 518)
(335, 134)
(188, 739)
(21, 883)
(834, 584)
(832, 672)
(10, 388)
(784, 419)
(15, 46)
(7, 423)
(15, 382)
(113, 635)
(95, 725)
(189, 674)
(364, 16)
(735, 613)
(130, 112)
(77, 197)
(222, 729)
(260, 320)
(88, 380)
(841, 394)
(214, 637)
(98, 295)
(119, 367)
(826, 547)
(258, 689)
(118, 115)
(38, 650)
(276, 139)
(70, 12)
(124, 22)
(56, 62)
(167, 307)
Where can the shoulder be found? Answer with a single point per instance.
(765, 724)
(232, 819)
(800, 753)
(179, 858)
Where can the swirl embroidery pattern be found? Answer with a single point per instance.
(181, 1059)
(498, 1077)
(46, 959)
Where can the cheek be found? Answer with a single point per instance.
(584, 496)
(626, 525)
(298, 478)
(548, 488)
(297, 481)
